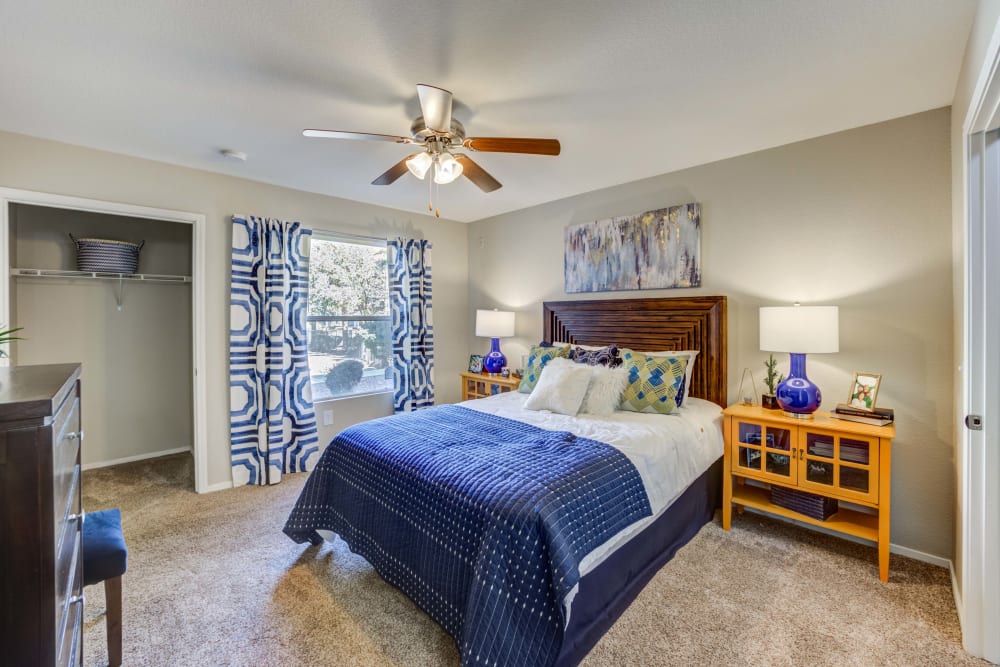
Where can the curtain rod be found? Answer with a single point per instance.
(328, 232)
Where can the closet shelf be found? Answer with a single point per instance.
(121, 278)
(98, 275)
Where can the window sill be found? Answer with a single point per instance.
(335, 399)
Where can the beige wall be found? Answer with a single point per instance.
(973, 64)
(858, 219)
(137, 398)
(863, 213)
(47, 166)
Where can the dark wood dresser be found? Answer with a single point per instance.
(41, 570)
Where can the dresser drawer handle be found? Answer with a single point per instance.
(76, 599)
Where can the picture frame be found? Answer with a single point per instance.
(476, 363)
(864, 390)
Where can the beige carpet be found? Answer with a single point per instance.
(212, 580)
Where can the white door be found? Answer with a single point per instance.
(980, 455)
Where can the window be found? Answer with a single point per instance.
(350, 345)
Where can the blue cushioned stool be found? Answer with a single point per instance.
(105, 558)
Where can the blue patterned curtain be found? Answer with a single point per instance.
(412, 324)
(272, 420)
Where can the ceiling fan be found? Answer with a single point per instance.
(439, 134)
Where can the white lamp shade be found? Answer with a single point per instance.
(494, 323)
(447, 169)
(419, 164)
(800, 329)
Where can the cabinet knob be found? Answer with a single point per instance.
(76, 599)
(77, 517)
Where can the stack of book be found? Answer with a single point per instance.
(818, 507)
(875, 416)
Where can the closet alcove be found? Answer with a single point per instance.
(133, 334)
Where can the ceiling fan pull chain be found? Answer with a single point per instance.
(430, 194)
(437, 211)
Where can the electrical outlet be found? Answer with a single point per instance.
(328, 418)
(482, 243)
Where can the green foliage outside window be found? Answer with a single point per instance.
(349, 353)
(348, 279)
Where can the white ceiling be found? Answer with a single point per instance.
(631, 89)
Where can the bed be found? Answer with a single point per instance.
(525, 535)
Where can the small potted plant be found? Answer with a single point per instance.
(6, 336)
(772, 380)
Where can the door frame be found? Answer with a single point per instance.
(978, 452)
(10, 196)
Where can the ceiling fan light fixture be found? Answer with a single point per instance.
(447, 169)
(419, 164)
(436, 133)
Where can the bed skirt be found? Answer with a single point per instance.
(607, 591)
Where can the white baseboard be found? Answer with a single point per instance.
(940, 561)
(957, 592)
(137, 457)
(932, 559)
(218, 486)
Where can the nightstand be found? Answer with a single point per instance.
(825, 456)
(480, 385)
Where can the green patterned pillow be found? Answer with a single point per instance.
(653, 382)
(537, 359)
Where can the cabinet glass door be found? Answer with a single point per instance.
(846, 467)
(819, 462)
(764, 450)
(746, 446)
(857, 468)
(778, 454)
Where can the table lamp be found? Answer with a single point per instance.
(799, 330)
(495, 324)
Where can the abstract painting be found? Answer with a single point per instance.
(652, 250)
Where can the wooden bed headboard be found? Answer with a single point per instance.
(686, 323)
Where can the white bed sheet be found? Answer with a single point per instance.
(669, 451)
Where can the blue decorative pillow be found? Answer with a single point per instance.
(604, 356)
(653, 382)
(682, 390)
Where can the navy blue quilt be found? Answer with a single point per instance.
(482, 521)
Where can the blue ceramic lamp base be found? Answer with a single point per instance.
(494, 361)
(797, 396)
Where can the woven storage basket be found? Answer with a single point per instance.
(107, 255)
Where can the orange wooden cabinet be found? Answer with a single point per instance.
(480, 385)
(825, 456)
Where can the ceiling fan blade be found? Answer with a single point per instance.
(510, 145)
(435, 103)
(336, 134)
(477, 174)
(394, 172)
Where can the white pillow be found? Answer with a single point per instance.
(688, 372)
(604, 393)
(561, 387)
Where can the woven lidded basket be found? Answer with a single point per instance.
(107, 255)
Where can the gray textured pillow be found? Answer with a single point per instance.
(602, 356)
